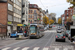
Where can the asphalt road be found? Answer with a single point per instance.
(47, 42)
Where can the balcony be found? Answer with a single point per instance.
(23, 5)
(23, 12)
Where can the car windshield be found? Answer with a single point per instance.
(14, 32)
(68, 31)
(59, 29)
(59, 35)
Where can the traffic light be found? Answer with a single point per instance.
(38, 19)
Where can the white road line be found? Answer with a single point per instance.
(26, 48)
(45, 48)
(36, 48)
(56, 48)
(65, 49)
(6, 48)
(16, 48)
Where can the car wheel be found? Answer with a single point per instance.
(56, 40)
(64, 40)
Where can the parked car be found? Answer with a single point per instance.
(69, 36)
(45, 28)
(59, 30)
(60, 37)
(13, 34)
(67, 33)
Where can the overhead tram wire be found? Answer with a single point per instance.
(42, 4)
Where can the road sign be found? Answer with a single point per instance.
(73, 17)
(19, 24)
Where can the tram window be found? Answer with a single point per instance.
(20, 29)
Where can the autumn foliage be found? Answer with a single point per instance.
(59, 21)
(51, 21)
(45, 20)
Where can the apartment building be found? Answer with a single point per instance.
(3, 17)
(68, 13)
(34, 14)
(10, 16)
(17, 8)
(25, 11)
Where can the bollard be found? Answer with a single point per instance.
(20, 36)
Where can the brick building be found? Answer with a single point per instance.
(34, 14)
(10, 12)
(68, 13)
(3, 16)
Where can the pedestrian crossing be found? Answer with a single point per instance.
(50, 31)
(38, 48)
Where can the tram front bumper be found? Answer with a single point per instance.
(33, 36)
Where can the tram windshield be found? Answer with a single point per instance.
(32, 29)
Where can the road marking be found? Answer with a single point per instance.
(65, 49)
(56, 48)
(16, 48)
(26, 48)
(6, 48)
(36, 48)
(45, 48)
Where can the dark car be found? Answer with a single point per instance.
(60, 37)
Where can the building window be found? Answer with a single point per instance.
(10, 17)
(12, 0)
(29, 11)
(17, 11)
(17, 2)
(34, 11)
(67, 10)
(10, 7)
(31, 16)
(26, 17)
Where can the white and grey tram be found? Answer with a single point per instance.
(36, 30)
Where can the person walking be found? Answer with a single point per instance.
(25, 33)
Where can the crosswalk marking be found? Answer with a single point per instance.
(6, 48)
(45, 48)
(65, 49)
(36, 48)
(16, 48)
(56, 48)
(26, 48)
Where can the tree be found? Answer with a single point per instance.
(72, 2)
(45, 20)
(51, 21)
(59, 21)
(53, 18)
(69, 19)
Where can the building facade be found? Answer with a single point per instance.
(3, 17)
(68, 13)
(34, 14)
(17, 8)
(25, 11)
(10, 16)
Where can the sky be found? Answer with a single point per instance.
(53, 6)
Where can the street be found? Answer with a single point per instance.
(47, 42)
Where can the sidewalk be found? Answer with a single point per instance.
(7, 41)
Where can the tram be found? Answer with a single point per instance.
(36, 31)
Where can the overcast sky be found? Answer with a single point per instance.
(53, 6)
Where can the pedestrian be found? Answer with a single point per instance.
(9, 34)
(25, 32)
